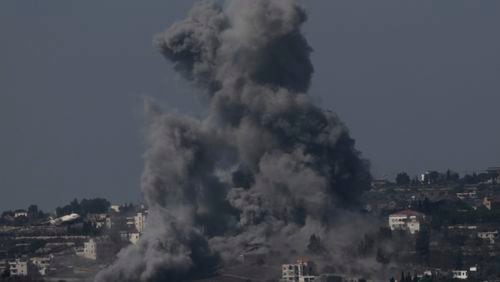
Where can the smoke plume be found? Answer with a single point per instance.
(263, 171)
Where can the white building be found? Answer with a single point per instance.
(488, 235)
(90, 249)
(20, 213)
(407, 220)
(460, 274)
(134, 237)
(18, 267)
(140, 221)
(96, 248)
(109, 222)
(302, 271)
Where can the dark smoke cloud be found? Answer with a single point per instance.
(263, 171)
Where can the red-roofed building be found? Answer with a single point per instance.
(407, 220)
(492, 202)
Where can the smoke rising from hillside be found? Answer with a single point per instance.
(263, 171)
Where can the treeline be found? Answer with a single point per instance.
(84, 207)
(448, 212)
(448, 177)
(34, 214)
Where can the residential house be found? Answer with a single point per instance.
(407, 220)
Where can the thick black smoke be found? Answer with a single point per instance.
(263, 171)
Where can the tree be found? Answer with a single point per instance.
(458, 260)
(35, 245)
(97, 205)
(433, 177)
(422, 244)
(86, 206)
(471, 179)
(452, 176)
(6, 272)
(384, 234)
(403, 179)
(315, 246)
(403, 277)
(32, 210)
(34, 213)
(382, 257)
(367, 245)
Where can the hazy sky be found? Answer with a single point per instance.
(417, 82)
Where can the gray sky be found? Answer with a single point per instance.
(417, 82)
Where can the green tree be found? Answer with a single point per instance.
(315, 246)
(86, 206)
(458, 260)
(422, 244)
(32, 210)
(433, 177)
(6, 272)
(35, 245)
(382, 257)
(403, 179)
(366, 246)
(452, 176)
(403, 277)
(408, 277)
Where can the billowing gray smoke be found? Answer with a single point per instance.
(265, 169)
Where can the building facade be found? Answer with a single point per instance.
(460, 274)
(140, 221)
(406, 220)
(96, 248)
(18, 267)
(302, 271)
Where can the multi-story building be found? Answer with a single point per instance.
(460, 274)
(130, 222)
(96, 248)
(407, 220)
(302, 271)
(18, 267)
(140, 221)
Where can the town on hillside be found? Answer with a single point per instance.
(438, 226)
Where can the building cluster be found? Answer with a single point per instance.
(304, 270)
(301, 271)
(406, 220)
(67, 247)
(450, 230)
(451, 227)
